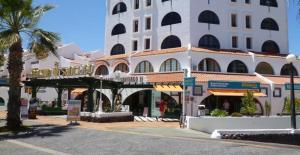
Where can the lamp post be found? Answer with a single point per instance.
(290, 59)
(100, 110)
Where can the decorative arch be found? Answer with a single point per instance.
(208, 17)
(171, 18)
(118, 29)
(102, 70)
(117, 49)
(119, 8)
(171, 41)
(237, 66)
(269, 3)
(264, 68)
(122, 67)
(170, 65)
(270, 46)
(269, 24)
(144, 67)
(209, 41)
(209, 65)
(286, 70)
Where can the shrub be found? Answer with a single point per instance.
(236, 114)
(268, 108)
(248, 104)
(287, 105)
(219, 113)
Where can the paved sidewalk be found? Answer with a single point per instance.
(106, 126)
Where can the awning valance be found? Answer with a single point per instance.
(168, 88)
(235, 93)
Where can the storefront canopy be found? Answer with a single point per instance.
(235, 93)
(168, 88)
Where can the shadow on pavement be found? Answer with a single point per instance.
(42, 131)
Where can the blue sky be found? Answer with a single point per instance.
(82, 22)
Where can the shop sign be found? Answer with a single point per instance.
(126, 78)
(189, 81)
(296, 86)
(233, 85)
(24, 109)
(74, 107)
(57, 72)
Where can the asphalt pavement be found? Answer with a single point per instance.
(64, 140)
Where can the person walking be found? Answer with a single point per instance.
(162, 108)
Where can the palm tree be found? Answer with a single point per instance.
(18, 21)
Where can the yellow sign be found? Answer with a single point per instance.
(68, 71)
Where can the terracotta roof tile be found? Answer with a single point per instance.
(202, 77)
(169, 77)
(206, 76)
(282, 79)
(158, 52)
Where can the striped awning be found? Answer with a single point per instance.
(235, 93)
(168, 88)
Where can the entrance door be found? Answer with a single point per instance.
(139, 103)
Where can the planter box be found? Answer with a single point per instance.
(209, 124)
(107, 117)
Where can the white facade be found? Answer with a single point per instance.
(190, 30)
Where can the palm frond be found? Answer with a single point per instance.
(7, 38)
(36, 15)
(44, 41)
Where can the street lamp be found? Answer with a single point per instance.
(290, 59)
(100, 110)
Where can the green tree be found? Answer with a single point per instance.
(248, 104)
(18, 21)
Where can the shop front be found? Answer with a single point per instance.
(227, 95)
(147, 102)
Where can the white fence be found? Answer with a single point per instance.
(209, 124)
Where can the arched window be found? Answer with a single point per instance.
(102, 70)
(208, 17)
(119, 8)
(270, 3)
(171, 18)
(118, 29)
(209, 65)
(237, 66)
(264, 68)
(269, 24)
(170, 65)
(270, 47)
(171, 42)
(165, 0)
(117, 49)
(209, 41)
(122, 67)
(144, 67)
(286, 70)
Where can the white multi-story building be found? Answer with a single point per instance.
(215, 40)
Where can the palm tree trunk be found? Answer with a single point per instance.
(15, 67)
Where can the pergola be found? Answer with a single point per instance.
(90, 83)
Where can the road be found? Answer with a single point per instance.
(65, 140)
